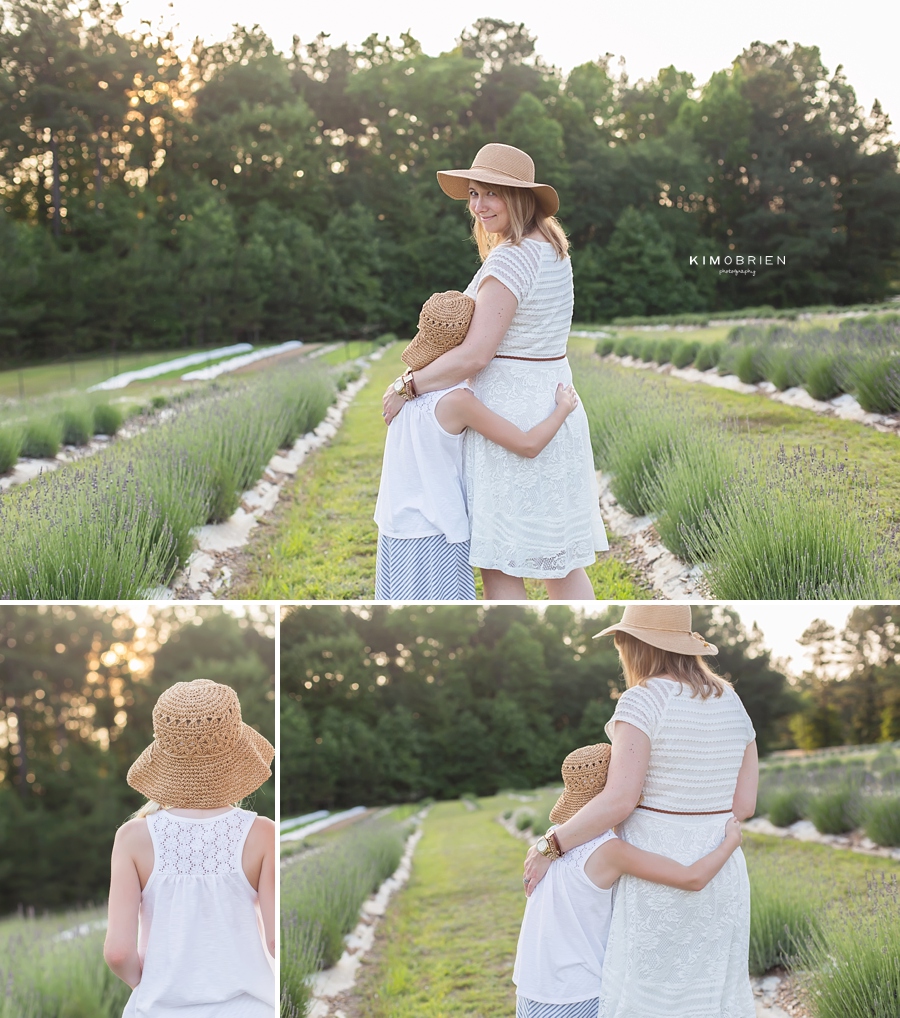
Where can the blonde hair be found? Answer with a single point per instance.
(525, 216)
(640, 662)
(146, 810)
(150, 807)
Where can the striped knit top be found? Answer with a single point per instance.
(542, 284)
(696, 746)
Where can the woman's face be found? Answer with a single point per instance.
(489, 208)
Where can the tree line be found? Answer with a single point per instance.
(149, 199)
(77, 689)
(851, 695)
(383, 704)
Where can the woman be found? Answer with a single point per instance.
(683, 745)
(538, 518)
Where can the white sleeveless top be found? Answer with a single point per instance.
(696, 746)
(562, 942)
(422, 490)
(201, 940)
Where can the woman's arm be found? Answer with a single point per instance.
(266, 888)
(744, 804)
(120, 947)
(627, 770)
(618, 857)
(462, 409)
(495, 307)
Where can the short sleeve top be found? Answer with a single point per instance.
(696, 746)
(541, 282)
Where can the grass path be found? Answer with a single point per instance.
(320, 544)
(447, 946)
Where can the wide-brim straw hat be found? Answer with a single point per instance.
(584, 774)
(443, 324)
(666, 626)
(499, 164)
(202, 755)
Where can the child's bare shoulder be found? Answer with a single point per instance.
(262, 830)
(133, 835)
(457, 397)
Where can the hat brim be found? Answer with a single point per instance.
(565, 809)
(455, 184)
(675, 643)
(204, 783)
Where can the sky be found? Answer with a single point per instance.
(782, 622)
(698, 36)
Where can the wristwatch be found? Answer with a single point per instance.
(548, 845)
(399, 386)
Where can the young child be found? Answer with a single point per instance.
(192, 895)
(562, 943)
(423, 523)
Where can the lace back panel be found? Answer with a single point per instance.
(186, 847)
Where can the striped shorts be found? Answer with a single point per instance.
(423, 569)
(526, 1008)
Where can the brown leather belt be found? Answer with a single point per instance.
(676, 813)
(509, 357)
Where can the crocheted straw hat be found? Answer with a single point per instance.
(667, 626)
(499, 164)
(584, 775)
(202, 755)
(443, 324)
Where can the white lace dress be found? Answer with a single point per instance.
(532, 517)
(200, 938)
(671, 953)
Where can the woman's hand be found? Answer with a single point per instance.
(536, 866)
(391, 404)
(733, 834)
(566, 397)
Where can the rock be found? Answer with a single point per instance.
(805, 830)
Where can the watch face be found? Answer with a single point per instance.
(542, 845)
(398, 385)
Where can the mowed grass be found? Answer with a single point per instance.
(322, 541)
(447, 945)
(79, 373)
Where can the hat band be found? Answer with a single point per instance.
(658, 629)
(503, 173)
(194, 757)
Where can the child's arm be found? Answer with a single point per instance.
(120, 947)
(616, 857)
(461, 409)
(266, 889)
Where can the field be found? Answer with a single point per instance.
(321, 544)
(838, 792)
(53, 967)
(121, 522)
(446, 946)
(773, 501)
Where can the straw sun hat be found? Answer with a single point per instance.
(202, 755)
(584, 775)
(499, 164)
(443, 324)
(666, 626)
